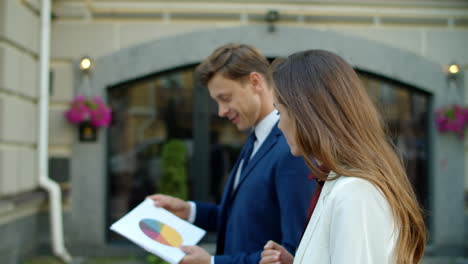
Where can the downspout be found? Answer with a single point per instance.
(55, 195)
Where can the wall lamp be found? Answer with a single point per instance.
(454, 68)
(454, 81)
(86, 63)
(271, 17)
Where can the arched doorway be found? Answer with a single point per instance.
(388, 66)
(152, 111)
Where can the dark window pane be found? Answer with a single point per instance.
(405, 111)
(148, 113)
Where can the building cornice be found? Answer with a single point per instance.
(244, 11)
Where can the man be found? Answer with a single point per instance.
(267, 194)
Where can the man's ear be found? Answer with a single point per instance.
(256, 81)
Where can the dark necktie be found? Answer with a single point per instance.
(249, 146)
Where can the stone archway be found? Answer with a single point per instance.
(446, 170)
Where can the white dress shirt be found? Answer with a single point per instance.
(262, 130)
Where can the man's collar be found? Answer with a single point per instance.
(262, 130)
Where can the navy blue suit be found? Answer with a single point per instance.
(269, 203)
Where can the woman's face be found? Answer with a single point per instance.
(288, 127)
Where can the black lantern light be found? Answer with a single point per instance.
(272, 17)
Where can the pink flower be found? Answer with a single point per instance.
(94, 110)
(452, 119)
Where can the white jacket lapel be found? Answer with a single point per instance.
(314, 220)
(327, 187)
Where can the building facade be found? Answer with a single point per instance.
(144, 54)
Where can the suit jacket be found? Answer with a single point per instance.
(270, 202)
(352, 223)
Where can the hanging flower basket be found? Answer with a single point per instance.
(453, 119)
(88, 114)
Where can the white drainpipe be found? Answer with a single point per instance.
(55, 195)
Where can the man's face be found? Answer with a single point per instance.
(237, 101)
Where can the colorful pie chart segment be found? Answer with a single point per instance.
(161, 232)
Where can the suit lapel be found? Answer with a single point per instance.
(229, 186)
(269, 142)
(224, 208)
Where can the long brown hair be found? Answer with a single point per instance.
(337, 123)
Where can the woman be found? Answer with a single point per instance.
(367, 211)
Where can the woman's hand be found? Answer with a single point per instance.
(274, 253)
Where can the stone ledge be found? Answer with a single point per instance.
(12, 207)
(6, 207)
(21, 205)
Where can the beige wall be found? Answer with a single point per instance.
(18, 97)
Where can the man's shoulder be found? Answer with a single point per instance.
(284, 157)
(281, 147)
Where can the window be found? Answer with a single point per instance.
(406, 111)
(147, 114)
(153, 110)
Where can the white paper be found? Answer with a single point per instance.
(161, 242)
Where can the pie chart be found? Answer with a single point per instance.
(160, 232)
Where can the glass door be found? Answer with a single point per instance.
(157, 119)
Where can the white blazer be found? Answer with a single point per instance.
(352, 224)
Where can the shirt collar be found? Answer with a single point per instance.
(262, 130)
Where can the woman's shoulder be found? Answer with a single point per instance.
(352, 181)
(354, 194)
(354, 188)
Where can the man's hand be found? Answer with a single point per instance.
(275, 253)
(195, 255)
(172, 204)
